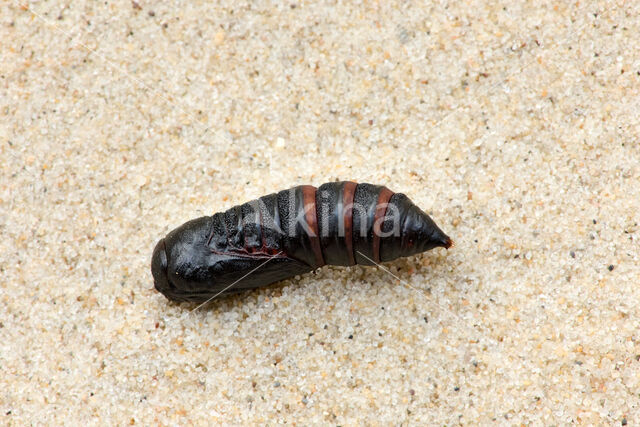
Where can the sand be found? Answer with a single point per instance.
(514, 124)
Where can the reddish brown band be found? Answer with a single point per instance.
(378, 219)
(348, 194)
(309, 200)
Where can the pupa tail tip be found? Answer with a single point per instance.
(448, 243)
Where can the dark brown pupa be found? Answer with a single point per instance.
(291, 232)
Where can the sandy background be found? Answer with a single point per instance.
(515, 125)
